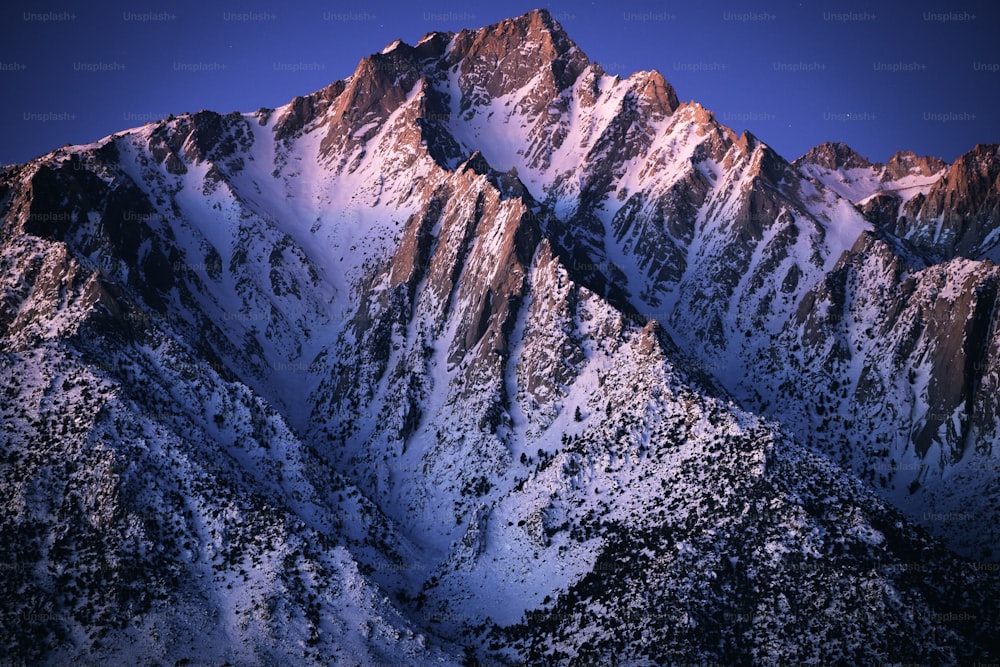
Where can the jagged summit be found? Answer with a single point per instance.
(882, 191)
(907, 163)
(536, 27)
(833, 155)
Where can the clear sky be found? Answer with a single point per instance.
(919, 75)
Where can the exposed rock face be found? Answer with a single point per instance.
(483, 354)
(906, 163)
(495, 63)
(960, 213)
(881, 210)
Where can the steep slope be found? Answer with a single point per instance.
(889, 369)
(436, 363)
(959, 215)
(887, 364)
(156, 509)
(671, 217)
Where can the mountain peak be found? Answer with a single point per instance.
(834, 155)
(536, 27)
(538, 21)
(907, 163)
(507, 56)
(651, 86)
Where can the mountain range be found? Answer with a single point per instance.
(482, 355)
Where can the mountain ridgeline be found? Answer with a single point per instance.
(482, 355)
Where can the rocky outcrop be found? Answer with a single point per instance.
(906, 163)
(959, 215)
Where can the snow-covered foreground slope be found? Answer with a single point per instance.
(451, 360)
(155, 509)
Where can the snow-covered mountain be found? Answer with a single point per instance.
(482, 354)
(854, 177)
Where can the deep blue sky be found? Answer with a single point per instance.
(879, 76)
